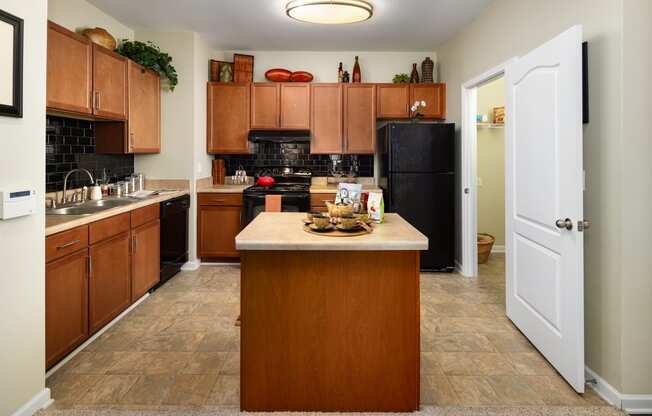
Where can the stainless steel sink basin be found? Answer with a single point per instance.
(91, 207)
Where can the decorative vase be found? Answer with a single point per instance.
(345, 77)
(427, 67)
(340, 73)
(414, 77)
(357, 76)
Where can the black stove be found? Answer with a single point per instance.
(293, 184)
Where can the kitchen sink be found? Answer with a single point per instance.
(91, 207)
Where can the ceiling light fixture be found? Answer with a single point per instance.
(329, 12)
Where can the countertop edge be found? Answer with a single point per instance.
(78, 220)
(335, 246)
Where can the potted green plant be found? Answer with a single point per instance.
(150, 56)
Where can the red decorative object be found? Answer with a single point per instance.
(265, 181)
(301, 76)
(278, 75)
(357, 76)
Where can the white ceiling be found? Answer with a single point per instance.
(397, 25)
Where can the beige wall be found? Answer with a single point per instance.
(22, 252)
(636, 225)
(374, 66)
(491, 164)
(510, 28)
(183, 117)
(77, 15)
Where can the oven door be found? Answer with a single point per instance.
(254, 204)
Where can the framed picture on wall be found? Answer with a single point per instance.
(11, 65)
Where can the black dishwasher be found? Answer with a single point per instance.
(174, 236)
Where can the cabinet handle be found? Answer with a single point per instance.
(135, 243)
(131, 139)
(71, 243)
(90, 266)
(96, 100)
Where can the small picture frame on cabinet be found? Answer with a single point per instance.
(11, 65)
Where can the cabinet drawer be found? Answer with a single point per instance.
(144, 215)
(103, 229)
(64, 243)
(220, 199)
(319, 200)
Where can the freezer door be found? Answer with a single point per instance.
(422, 147)
(427, 202)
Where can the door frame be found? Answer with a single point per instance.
(468, 262)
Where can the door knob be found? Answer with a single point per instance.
(567, 224)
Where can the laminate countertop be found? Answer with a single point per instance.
(314, 189)
(273, 231)
(57, 223)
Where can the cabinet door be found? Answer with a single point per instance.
(109, 84)
(69, 71)
(228, 109)
(326, 118)
(218, 226)
(66, 305)
(144, 110)
(295, 106)
(393, 100)
(265, 102)
(110, 280)
(359, 119)
(146, 258)
(435, 97)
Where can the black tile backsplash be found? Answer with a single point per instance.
(267, 154)
(70, 144)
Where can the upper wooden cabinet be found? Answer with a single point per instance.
(295, 106)
(69, 71)
(228, 108)
(435, 97)
(393, 100)
(144, 125)
(109, 84)
(265, 103)
(359, 119)
(326, 118)
(83, 77)
(280, 106)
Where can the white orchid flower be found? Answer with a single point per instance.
(423, 103)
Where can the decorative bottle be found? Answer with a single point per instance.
(340, 73)
(414, 77)
(357, 77)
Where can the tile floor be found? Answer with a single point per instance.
(180, 348)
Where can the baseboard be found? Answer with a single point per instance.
(631, 403)
(95, 336)
(208, 263)
(40, 401)
(498, 249)
(191, 265)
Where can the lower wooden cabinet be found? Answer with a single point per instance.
(219, 220)
(96, 271)
(110, 280)
(66, 305)
(145, 258)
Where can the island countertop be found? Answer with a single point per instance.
(284, 231)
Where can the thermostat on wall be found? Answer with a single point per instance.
(16, 202)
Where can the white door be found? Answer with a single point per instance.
(544, 186)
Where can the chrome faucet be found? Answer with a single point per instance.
(65, 181)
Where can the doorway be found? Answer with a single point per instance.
(480, 177)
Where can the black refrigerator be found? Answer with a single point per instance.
(417, 175)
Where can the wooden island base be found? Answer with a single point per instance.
(330, 331)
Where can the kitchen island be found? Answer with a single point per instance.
(329, 323)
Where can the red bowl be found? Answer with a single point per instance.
(278, 75)
(265, 181)
(301, 76)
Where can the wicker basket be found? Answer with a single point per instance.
(485, 244)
